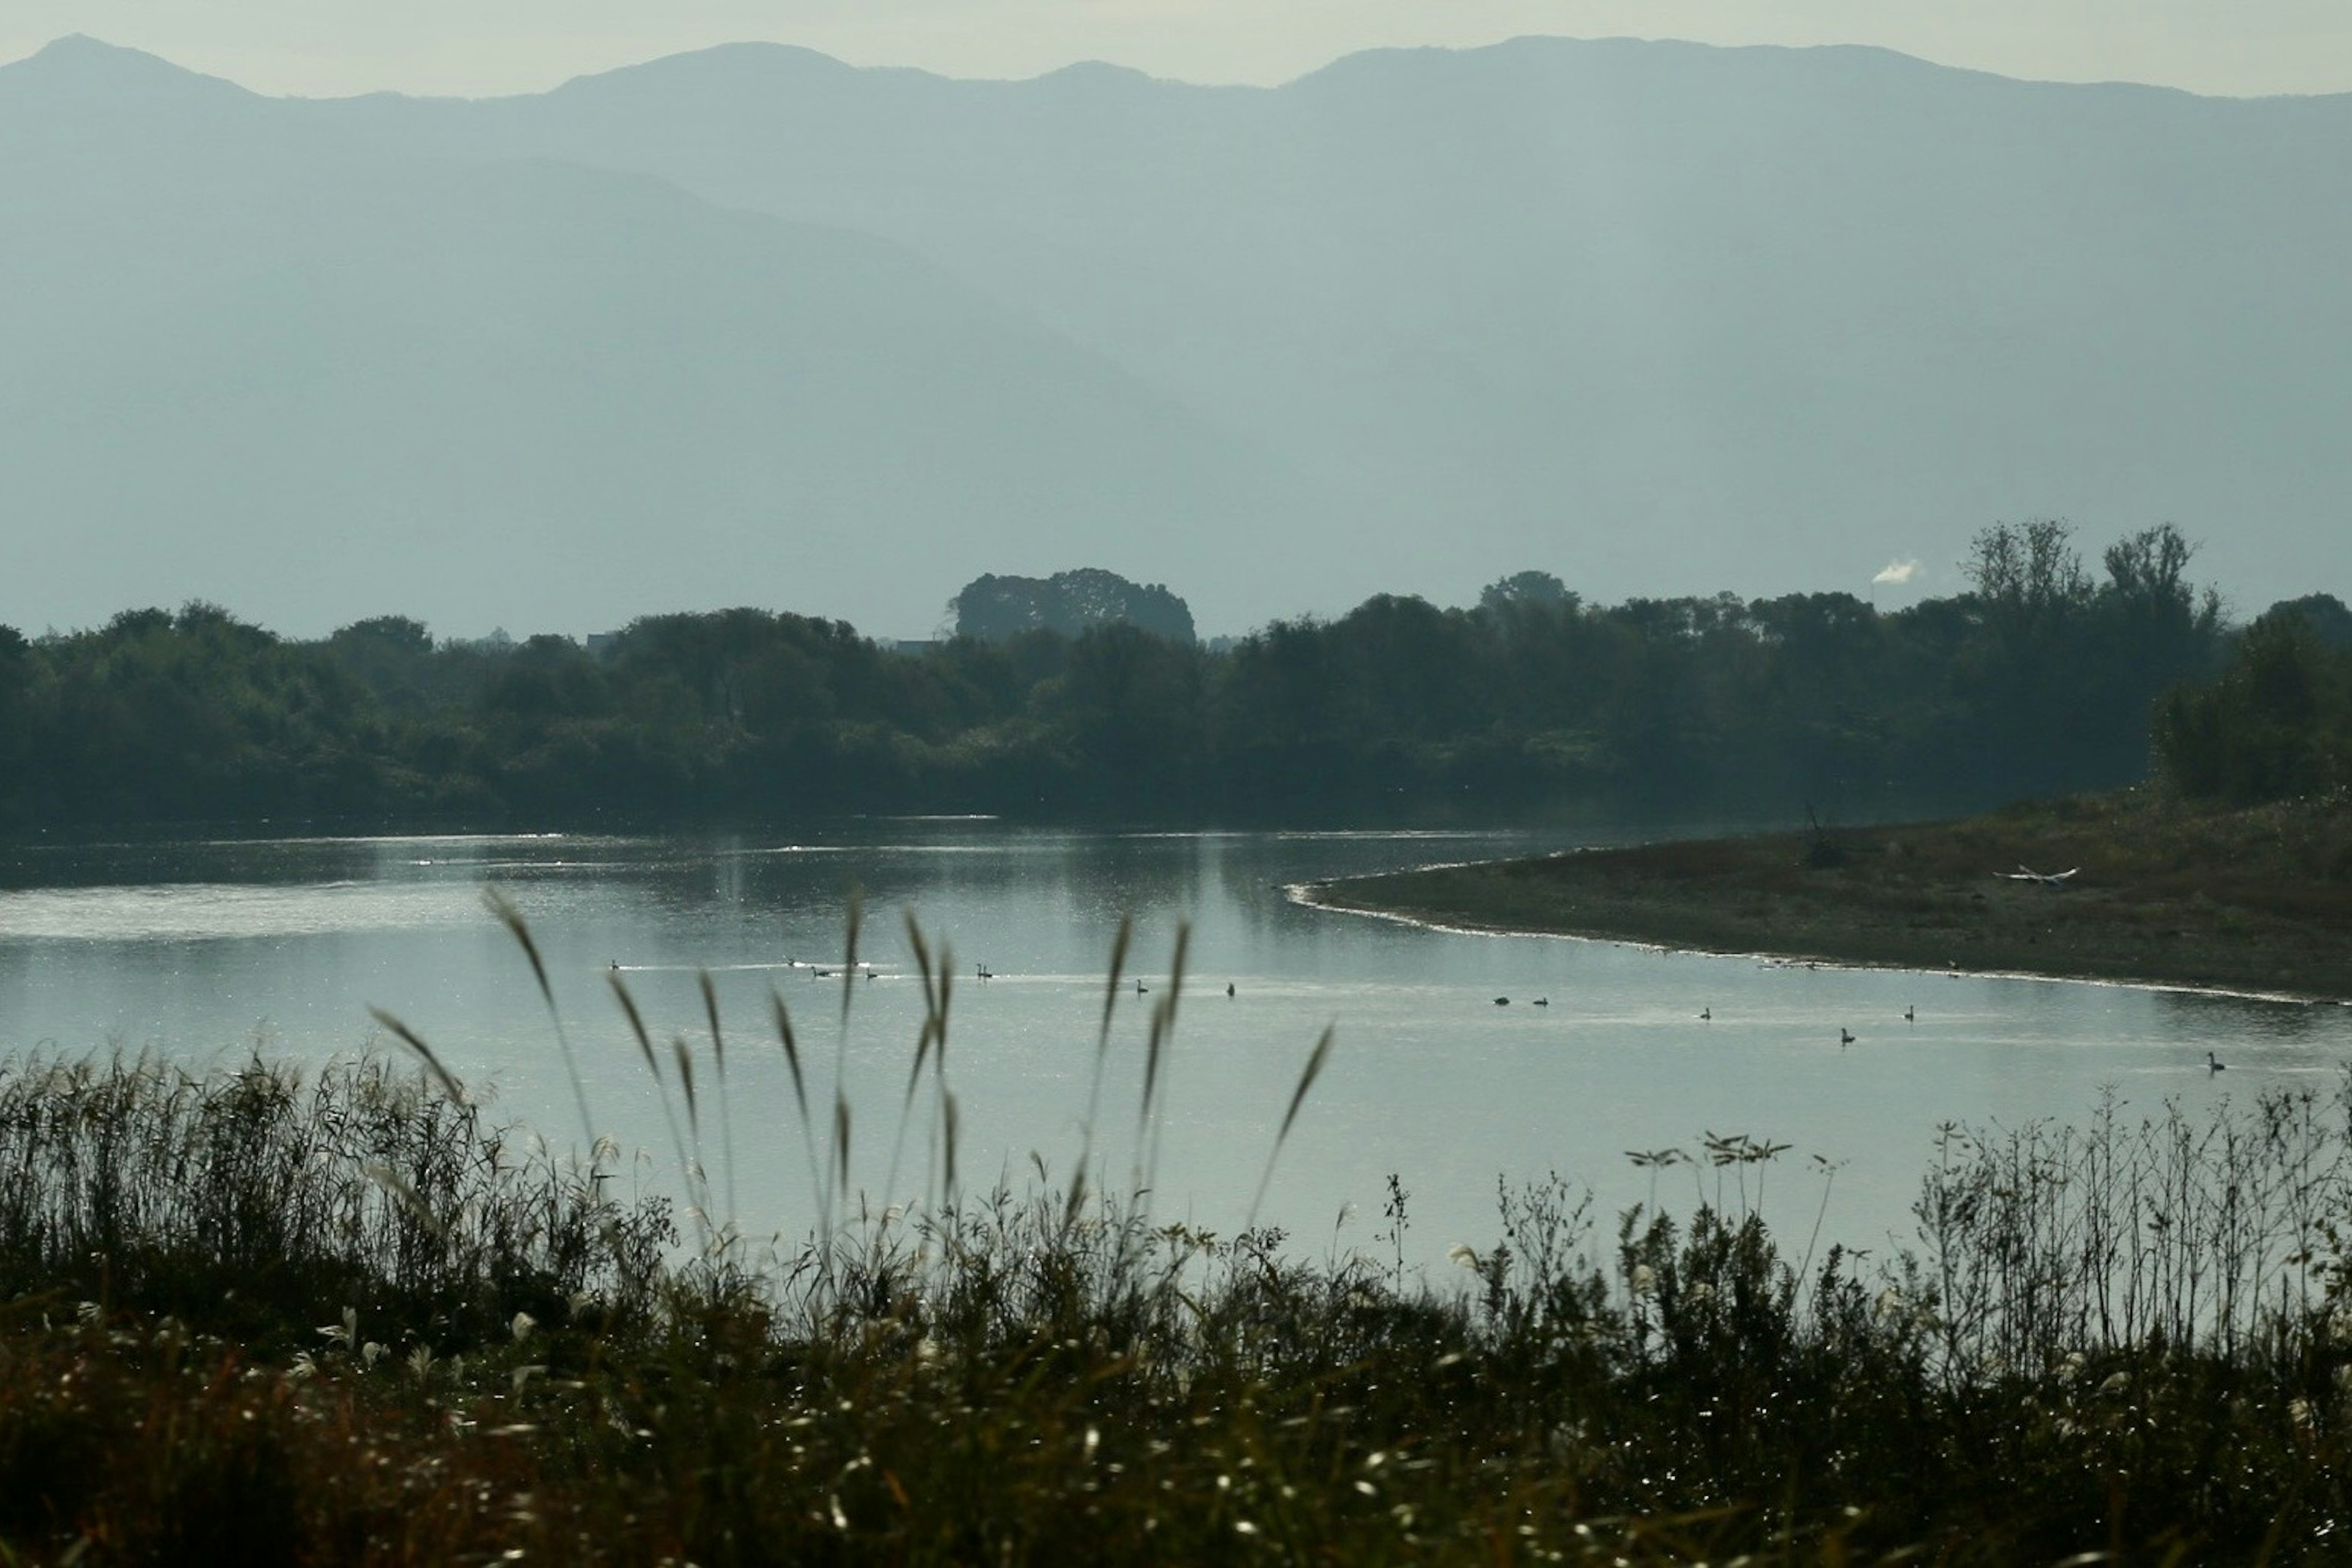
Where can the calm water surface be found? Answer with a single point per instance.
(198, 951)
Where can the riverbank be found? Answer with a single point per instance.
(2255, 900)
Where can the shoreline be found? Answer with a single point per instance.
(1310, 895)
(2254, 904)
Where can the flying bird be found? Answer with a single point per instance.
(2047, 878)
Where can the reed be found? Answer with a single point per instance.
(282, 1316)
(257, 1199)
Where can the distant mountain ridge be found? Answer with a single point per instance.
(1659, 318)
(249, 357)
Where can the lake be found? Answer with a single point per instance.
(203, 952)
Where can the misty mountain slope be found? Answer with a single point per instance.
(247, 357)
(1661, 317)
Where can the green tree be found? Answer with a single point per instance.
(2277, 722)
(990, 607)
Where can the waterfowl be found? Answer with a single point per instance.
(1706, 1013)
(1846, 1036)
(1502, 1001)
(1543, 1002)
(1229, 987)
(2213, 1066)
(1911, 1015)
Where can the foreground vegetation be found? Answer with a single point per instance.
(270, 1318)
(1532, 703)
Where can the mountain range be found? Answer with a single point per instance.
(753, 326)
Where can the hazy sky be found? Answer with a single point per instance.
(326, 48)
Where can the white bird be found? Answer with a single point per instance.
(2047, 878)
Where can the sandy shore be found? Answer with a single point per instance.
(2257, 901)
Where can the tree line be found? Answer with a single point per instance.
(2277, 722)
(2042, 676)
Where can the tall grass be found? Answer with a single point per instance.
(2216, 1235)
(381, 1326)
(256, 1199)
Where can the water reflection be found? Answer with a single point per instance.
(197, 950)
(2225, 1016)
